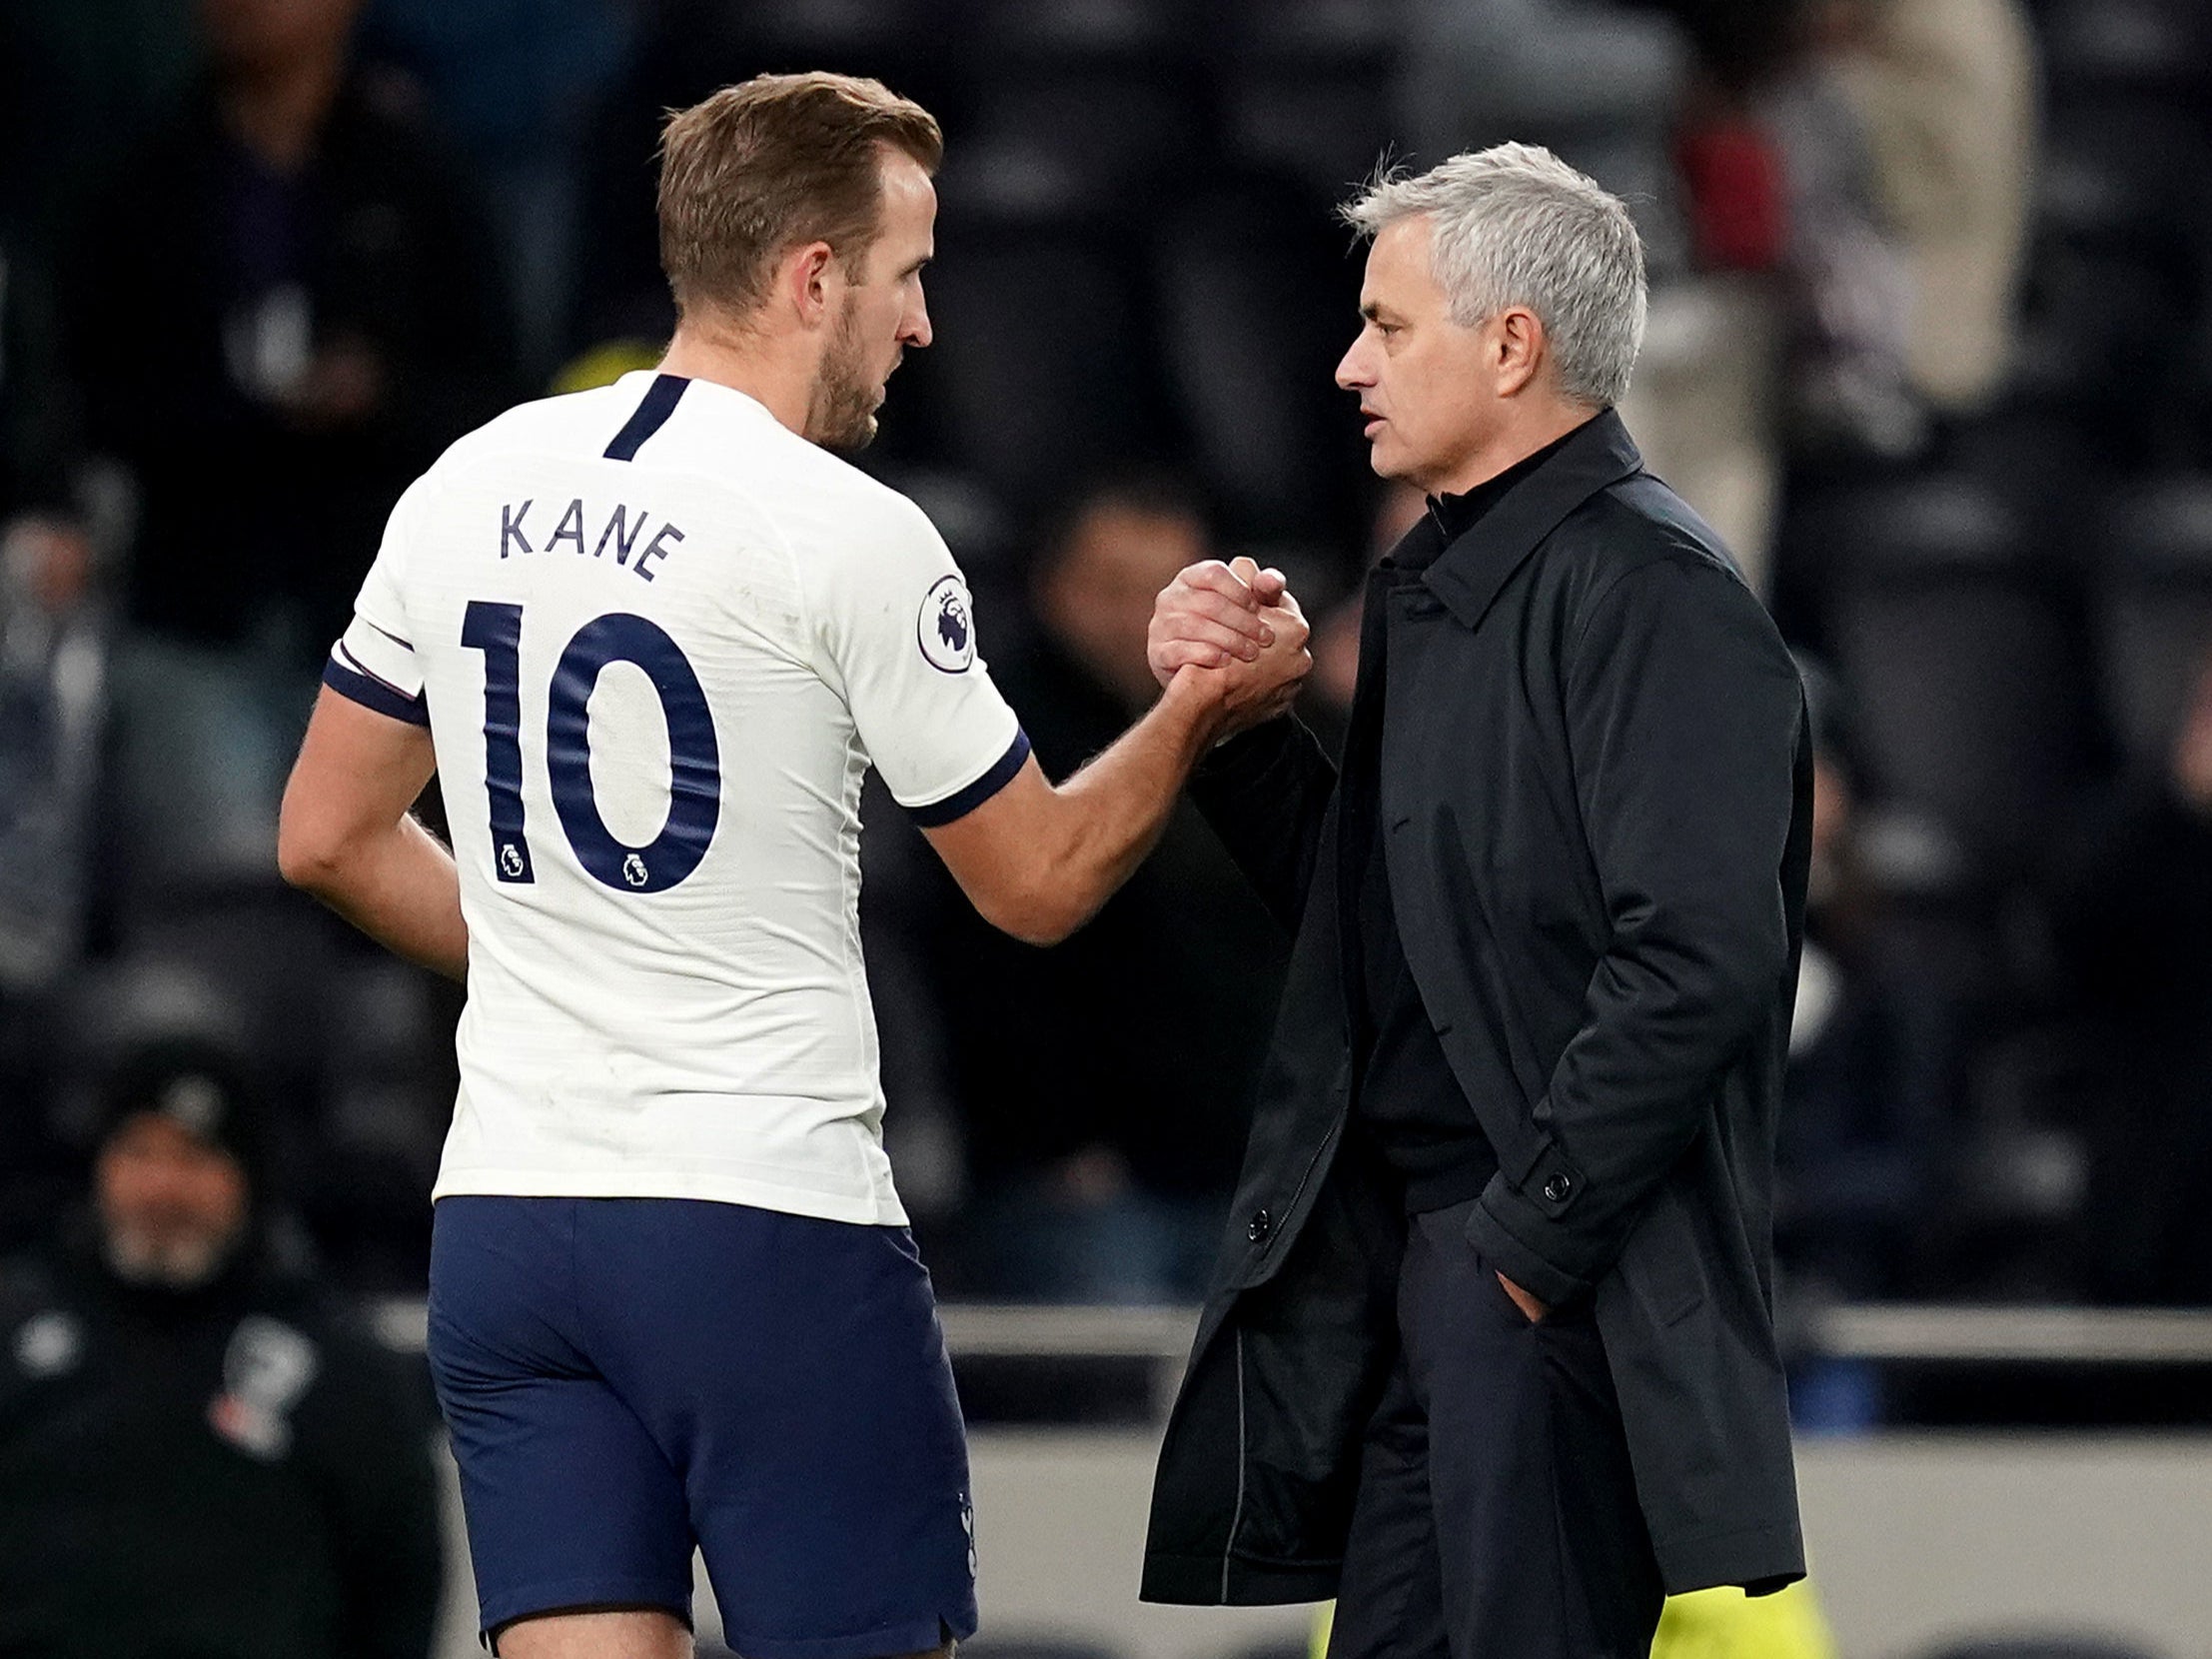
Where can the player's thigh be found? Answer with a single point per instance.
(796, 1372)
(864, 1464)
(568, 1501)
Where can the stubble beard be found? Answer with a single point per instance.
(841, 414)
(168, 1260)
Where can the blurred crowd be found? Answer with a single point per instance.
(1932, 344)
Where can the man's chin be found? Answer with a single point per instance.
(1388, 463)
(853, 440)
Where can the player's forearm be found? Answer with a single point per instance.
(1113, 811)
(399, 888)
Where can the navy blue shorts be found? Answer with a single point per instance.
(624, 1378)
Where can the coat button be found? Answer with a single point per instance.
(1559, 1187)
(1258, 1229)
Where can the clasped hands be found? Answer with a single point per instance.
(1231, 631)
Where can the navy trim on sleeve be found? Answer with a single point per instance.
(961, 803)
(652, 414)
(374, 693)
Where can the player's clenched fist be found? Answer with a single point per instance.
(1214, 614)
(1237, 627)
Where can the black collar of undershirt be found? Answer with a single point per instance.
(1457, 515)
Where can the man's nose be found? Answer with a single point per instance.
(1352, 373)
(917, 332)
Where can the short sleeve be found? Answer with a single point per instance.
(897, 627)
(373, 661)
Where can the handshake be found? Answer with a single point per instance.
(1232, 638)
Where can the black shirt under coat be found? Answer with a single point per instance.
(1404, 1092)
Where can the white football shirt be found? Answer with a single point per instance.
(659, 639)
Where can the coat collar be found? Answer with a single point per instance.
(1469, 573)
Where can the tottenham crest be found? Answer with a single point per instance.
(947, 627)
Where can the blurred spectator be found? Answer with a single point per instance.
(52, 700)
(200, 1452)
(1945, 95)
(1867, 1129)
(1107, 1080)
(2133, 906)
(283, 309)
(53, 706)
(52, 659)
(1906, 131)
(1847, 287)
(286, 307)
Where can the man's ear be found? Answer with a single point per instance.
(1519, 344)
(805, 281)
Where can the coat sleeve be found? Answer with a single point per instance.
(1266, 793)
(1685, 718)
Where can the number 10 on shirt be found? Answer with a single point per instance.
(695, 758)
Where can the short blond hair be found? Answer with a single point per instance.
(772, 164)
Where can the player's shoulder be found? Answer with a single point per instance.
(815, 494)
(846, 525)
(550, 425)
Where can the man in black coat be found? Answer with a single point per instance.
(1490, 1352)
(202, 1451)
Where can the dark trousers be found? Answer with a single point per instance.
(1497, 1517)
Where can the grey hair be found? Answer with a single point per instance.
(1517, 226)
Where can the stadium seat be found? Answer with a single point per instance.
(2132, 48)
(2155, 610)
(2122, 272)
(1959, 648)
(2030, 455)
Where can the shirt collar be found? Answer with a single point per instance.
(1457, 515)
(1474, 566)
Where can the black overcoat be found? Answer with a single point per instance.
(1595, 802)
